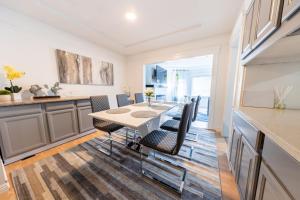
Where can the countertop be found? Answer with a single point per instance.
(281, 126)
(36, 101)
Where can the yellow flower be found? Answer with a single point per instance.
(11, 73)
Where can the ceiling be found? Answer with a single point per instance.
(159, 23)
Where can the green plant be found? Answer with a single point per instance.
(13, 89)
(55, 88)
(4, 92)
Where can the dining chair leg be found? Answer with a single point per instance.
(126, 140)
(110, 141)
(182, 181)
(141, 159)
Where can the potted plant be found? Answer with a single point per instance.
(149, 93)
(5, 95)
(12, 74)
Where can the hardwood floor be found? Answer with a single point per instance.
(229, 188)
(228, 185)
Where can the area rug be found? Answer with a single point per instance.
(83, 172)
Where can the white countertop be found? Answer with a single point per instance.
(281, 126)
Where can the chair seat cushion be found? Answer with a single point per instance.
(160, 141)
(107, 126)
(170, 125)
(177, 116)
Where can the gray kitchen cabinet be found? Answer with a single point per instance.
(62, 124)
(85, 121)
(248, 32)
(266, 19)
(22, 133)
(289, 8)
(269, 187)
(247, 169)
(234, 149)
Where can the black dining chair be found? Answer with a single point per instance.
(139, 97)
(168, 143)
(101, 103)
(122, 100)
(173, 125)
(178, 116)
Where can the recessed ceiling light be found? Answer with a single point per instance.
(130, 16)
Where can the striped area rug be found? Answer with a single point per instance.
(83, 172)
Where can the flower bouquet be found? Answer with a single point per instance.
(12, 74)
(149, 93)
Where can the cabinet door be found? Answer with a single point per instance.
(22, 133)
(247, 36)
(62, 124)
(266, 19)
(268, 187)
(247, 170)
(85, 121)
(234, 149)
(289, 7)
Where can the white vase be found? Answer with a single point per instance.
(16, 96)
(5, 97)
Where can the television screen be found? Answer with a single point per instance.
(161, 74)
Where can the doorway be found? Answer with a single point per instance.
(182, 79)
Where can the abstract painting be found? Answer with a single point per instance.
(77, 69)
(106, 73)
(68, 67)
(87, 70)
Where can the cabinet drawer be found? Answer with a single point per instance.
(251, 133)
(268, 187)
(83, 103)
(266, 19)
(10, 111)
(286, 168)
(289, 8)
(20, 134)
(85, 121)
(62, 124)
(247, 170)
(234, 150)
(59, 105)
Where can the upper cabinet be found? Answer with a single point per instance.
(265, 23)
(247, 31)
(289, 7)
(266, 19)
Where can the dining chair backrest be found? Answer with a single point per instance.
(122, 100)
(196, 108)
(139, 97)
(191, 114)
(183, 126)
(99, 103)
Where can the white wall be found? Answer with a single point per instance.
(30, 45)
(215, 45)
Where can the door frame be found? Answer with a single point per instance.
(215, 52)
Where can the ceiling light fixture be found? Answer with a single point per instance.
(130, 16)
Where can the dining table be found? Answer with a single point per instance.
(141, 117)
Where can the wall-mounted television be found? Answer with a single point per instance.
(159, 75)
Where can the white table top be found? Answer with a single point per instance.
(127, 120)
